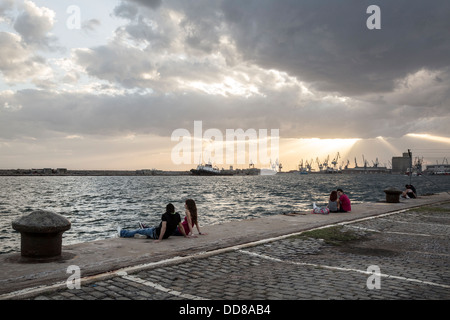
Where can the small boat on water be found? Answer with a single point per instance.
(267, 172)
(274, 168)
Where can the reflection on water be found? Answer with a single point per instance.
(96, 205)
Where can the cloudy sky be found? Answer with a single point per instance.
(104, 84)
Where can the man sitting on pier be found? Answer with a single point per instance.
(169, 222)
(344, 204)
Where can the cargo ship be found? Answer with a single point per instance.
(209, 170)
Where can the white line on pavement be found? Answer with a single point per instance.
(396, 232)
(159, 287)
(263, 256)
(412, 222)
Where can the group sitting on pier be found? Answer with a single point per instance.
(338, 202)
(170, 225)
(410, 192)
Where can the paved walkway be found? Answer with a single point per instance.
(400, 254)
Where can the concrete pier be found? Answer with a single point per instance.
(100, 260)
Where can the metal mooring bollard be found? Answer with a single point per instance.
(41, 234)
(392, 195)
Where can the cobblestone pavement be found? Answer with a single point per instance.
(411, 250)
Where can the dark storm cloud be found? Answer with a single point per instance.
(328, 44)
(322, 42)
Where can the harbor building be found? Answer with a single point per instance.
(400, 165)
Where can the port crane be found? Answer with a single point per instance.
(335, 160)
(300, 166)
(365, 162)
(325, 163)
(346, 166)
(375, 163)
(309, 165)
(319, 164)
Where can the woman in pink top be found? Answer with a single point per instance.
(189, 220)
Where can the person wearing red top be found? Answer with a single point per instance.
(344, 204)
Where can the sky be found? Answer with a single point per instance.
(106, 84)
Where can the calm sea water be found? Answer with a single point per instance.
(96, 205)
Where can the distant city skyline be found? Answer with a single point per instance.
(103, 84)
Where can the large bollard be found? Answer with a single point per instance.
(41, 234)
(392, 195)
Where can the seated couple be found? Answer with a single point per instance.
(338, 202)
(170, 225)
(410, 192)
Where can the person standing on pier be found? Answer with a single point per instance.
(344, 204)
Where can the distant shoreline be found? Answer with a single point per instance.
(153, 172)
(65, 173)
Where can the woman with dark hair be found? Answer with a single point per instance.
(332, 202)
(190, 220)
(331, 207)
